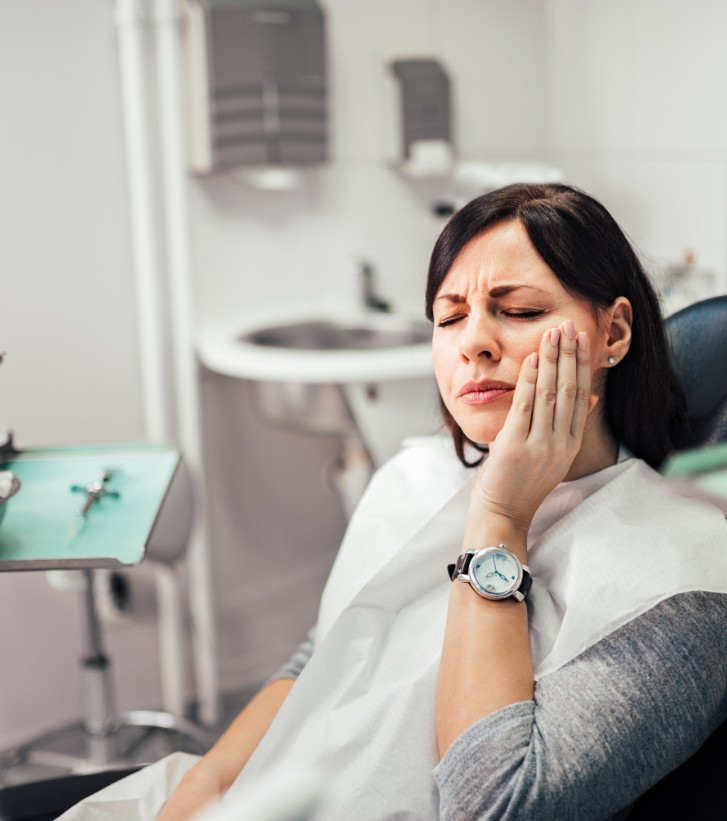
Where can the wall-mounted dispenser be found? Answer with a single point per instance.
(426, 124)
(427, 150)
(256, 74)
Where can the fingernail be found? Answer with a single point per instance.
(570, 329)
(582, 341)
(534, 360)
(554, 336)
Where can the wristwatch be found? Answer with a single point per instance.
(493, 572)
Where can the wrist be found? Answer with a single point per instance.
(467, 601)
(494, 529)
(513, 509)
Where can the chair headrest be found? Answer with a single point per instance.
(697, 337)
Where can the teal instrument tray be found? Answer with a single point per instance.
(42, 529)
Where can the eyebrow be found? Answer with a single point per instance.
(494, 293)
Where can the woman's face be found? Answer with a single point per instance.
(490, 312)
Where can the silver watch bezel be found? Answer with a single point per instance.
(477, 586)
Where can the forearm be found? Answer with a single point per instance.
(232, 751)
(486, 662)
(603, 728)
(214, 773)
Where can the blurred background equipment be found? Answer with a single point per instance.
(256, 85)
(111, 526)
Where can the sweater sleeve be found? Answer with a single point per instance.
(293, 667)
(602, 729)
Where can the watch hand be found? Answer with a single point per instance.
(504, 578)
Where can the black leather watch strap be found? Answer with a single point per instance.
(462, 565)
(525, 584)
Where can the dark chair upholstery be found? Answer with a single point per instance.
(46, 800)
(698, 344)
(697, 789)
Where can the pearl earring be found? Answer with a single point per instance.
(611, 360)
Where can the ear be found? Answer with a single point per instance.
(619, 317)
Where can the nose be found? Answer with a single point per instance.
(480, 338)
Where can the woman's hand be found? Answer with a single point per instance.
(542, 433)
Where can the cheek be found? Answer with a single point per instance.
(525, 344)
(444, 359)
(521, 342)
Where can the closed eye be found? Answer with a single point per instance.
(444, 323)
(523, 314)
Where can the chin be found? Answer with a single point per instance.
(481, 431)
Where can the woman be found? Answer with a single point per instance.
(484, 697)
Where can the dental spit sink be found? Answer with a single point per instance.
(380, 331)
(324, 374)
(322, 350)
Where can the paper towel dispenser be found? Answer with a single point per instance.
(426, 118)
(257, 83)
(425, 102)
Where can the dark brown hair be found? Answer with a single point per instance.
(584, 247)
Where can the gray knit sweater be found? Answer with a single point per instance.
(599, 731)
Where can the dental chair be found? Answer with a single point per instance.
(698, 342)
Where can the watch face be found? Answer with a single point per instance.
(495, 572)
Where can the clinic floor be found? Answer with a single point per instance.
(139, 746)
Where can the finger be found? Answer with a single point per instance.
(583, 401)
(545, 390)
(567, 387)
(519, 418)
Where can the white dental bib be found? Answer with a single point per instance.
(602, 550)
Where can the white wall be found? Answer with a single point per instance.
(635, 117)
(67, 320)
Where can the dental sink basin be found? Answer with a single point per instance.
(321, 350)
(382, 331)
(367, 378)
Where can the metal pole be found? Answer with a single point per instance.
(168, 19)
(100, 720)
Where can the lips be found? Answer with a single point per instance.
(484, 392)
